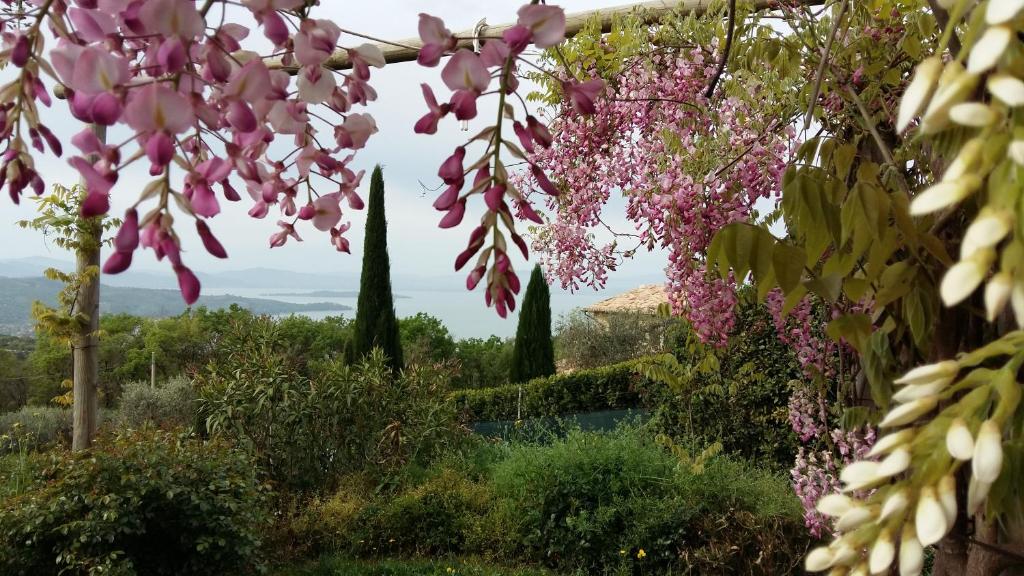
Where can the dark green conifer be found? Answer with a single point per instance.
(534, 352)
(376, 325)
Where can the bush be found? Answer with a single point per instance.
(581, 342)
(168, 406)
(304, 432)
(147, 503)
(592, 502)
(482, 363)
(608, 388)
(34, 428)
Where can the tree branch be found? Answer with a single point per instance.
(725, 53)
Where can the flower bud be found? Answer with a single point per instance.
(895, 504)
(911, 552)
(997, 294)
(1002, 11)
(919, 90)
(966, 160)
(818, 559)
(889, 442)
(947, 497)
(977, 492)
(835, 505)
(987, 230)
(930, 518)
(1017, 302)
(988, 452)
(854, 518)
(907, 413)
(973, 115)
(955, 85)
(944, 194)
(860, 474)
(894, 463)
(964, 277)
(989, 49)
(917, 391)
(1009, 89)
(946, 369)
(882, 553)
(959, 441)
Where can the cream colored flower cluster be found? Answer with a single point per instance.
(914, 471)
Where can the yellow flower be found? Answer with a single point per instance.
(622, 552)
(641, 554)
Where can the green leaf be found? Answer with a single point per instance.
(854, 328)
(788, 262)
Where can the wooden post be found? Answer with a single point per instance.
(650, 12)
(152, 369)
(85, 345)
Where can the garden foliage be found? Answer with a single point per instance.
(146, 503)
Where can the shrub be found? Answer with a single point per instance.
(591, 502)
(482, 363)
(437, 516)
(608, 388)
(147, 503)
(34, 428)
(305, 431)
(534, 353)
(168, 406)
(581, 342)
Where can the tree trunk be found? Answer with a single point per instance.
(85, 345)
(86, 342)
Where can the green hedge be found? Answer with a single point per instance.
(614, 387)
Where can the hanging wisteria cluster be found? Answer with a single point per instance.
(185, 89)
(469, 76)
(686, 165)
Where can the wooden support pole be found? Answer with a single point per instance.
(650, 12)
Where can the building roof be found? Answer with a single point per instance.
(643, 299)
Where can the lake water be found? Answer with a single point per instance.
(463, 312)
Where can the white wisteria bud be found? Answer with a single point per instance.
(818, 559)
(997, 294)
(854, 518)
(966, 159)
(889, 442)
(947, 497)
(955, 85)
(894, 463)
(911, 552)
(977, 492)
(987, 51)
(1016, 151)
(1002, 11)
(944, 194)
(930, 518)
(835, 505)
(988, 452)
(964, 277)
(919, 90)
(860, 474)
(860, 570)
(1017, 302)
(882, 553)
(1007, 88)
(907, 413)
(843, 554)
(916, 391)
(973, 115)
(959, 441)
(895, 504)
(987, 230)
(944, 370)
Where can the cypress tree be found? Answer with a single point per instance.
(534, 352)
(376, 325)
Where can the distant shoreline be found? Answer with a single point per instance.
(319, 294)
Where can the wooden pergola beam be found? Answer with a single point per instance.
(650, 12)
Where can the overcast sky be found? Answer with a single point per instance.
(417, 246)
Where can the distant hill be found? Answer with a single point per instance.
(320, 294)
(17, 295)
